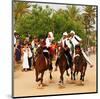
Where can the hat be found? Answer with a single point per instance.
(51, 35)
(65, 33)
(72, 32)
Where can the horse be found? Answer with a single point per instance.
(80, 63)
(41, 64)
(62, 62)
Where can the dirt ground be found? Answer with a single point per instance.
(25, 85)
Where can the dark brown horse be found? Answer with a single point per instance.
(41, 65)
(62, 62)
(80, 63)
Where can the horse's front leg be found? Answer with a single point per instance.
(40, 80)
(42, 77)
(74, 75)
(61, 80)
(73, 72)
(61, 77)
(83, 73)
(50, 71)
(50, 74)
(36, 73)
(81, 76)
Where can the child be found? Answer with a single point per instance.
(25, 58)
(29, 56)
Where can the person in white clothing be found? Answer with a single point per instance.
(49, 39)
(76, 40)
(46, 49)
(25, 59)
(48, 43)
(65, 42)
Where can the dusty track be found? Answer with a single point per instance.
(25, 85)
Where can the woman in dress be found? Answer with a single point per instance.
(25, 58)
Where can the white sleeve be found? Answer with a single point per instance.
(68, 43)
(47, 42)
(32, 44)
(78, 37)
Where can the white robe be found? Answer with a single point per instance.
(25, 59)
(74, 41)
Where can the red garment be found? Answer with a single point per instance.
(53, 49)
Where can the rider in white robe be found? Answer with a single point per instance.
(75, 39)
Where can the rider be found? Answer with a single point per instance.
(46, 50)
(65, 42)
(49, 41)
(76, 40)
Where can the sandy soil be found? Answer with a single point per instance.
(25, 85)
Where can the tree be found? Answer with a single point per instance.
(73, 12)
(89, 21)
(20, 9)
(37, 23)
(59, 20)
(43, 19)
(75, 20)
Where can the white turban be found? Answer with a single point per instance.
(51, 35)
(65, 33)
(72, 32)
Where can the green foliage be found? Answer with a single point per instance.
(42, 20)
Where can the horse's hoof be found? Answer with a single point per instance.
(61, 86)
(40, 86)
(82, 83)
(59, 83)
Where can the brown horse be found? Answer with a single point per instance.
(41, 64)
(80, 63)
(62, 62)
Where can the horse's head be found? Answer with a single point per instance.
(39, 50)
(62, 51)
(77, 49)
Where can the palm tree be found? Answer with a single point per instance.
(73, 12)
(89, 16)
(20, 8)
